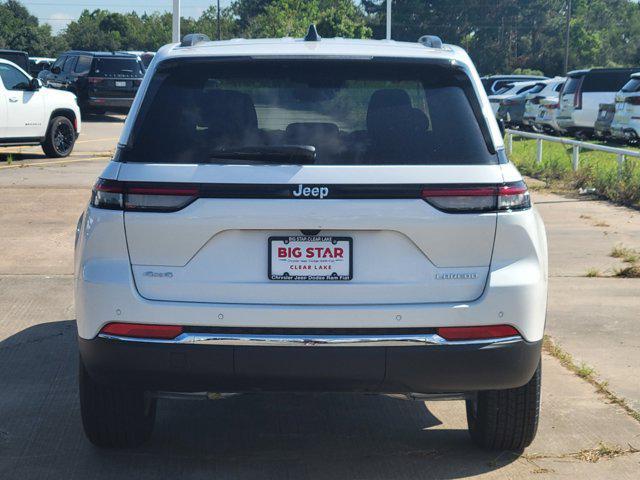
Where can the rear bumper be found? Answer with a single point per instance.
(109, 102)
(455, 367)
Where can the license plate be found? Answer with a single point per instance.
(121, 84)
(319, 258)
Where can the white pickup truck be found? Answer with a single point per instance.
(31, 114)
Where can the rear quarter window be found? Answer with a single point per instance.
(605, 81)
(572, 85)
(350, 113)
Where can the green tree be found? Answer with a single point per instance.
(19, 30)
(293, 17)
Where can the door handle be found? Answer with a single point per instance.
(13, 99)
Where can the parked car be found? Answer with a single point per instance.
(31, 114)
(583, 93)
(626, 120)
(493, 83)
(38, 64)
(102, 81)
(547, 118)
(512, 108)
(508, 91)
(17, 57)
(534, 98)
(602, 127)
(254, 232)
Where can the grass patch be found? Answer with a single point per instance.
(588, 374)
(602, 451)
(592, 273)
(627, 255)
(598, 170)
(632, 271)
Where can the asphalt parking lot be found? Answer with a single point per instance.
(303, 436)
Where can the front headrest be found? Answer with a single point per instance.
(383, 100)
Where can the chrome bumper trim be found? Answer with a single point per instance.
(252, 340)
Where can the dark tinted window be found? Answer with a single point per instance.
(349, 113)
(18, 58)
(117, 67)
(83, 65)
(558, 87)
(572, 85)
(12, 78)
(605, 80)
(69, 64)
(536, 88)
(632, 85)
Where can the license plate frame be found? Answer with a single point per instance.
(310, 241)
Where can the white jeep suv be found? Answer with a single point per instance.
(311, 215)
(31, 114)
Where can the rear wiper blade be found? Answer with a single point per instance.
(268, 153)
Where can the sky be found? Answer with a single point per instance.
(58, 13)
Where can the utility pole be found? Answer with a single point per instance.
(175, 30)
(566, 39)
(389, 19)
(219, 36)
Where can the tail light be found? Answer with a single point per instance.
(478, 199)
(138, 330)
(552, 106)
(114, 195)
(95, 80)
(477, 333)
(635, 100)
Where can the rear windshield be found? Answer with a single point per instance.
(536, 88)
(117, 67)
(18, 58)
(605, 81)
(309, 112)
(632, 85)
(572, 84)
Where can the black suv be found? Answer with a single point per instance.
(101, 80)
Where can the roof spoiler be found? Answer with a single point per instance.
(193, 39)
(431, 41)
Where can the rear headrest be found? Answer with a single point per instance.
(236, 109)
(382, 101)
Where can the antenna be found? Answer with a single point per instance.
(312, 34)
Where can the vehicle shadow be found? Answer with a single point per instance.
(255, 435)
(104, 117)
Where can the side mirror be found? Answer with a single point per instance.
(501, 126)
(55, 70)
(35, 84)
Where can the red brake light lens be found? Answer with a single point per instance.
(477, 333)
(95, 80)
(478, 199)
(136, 330)
(635, 100)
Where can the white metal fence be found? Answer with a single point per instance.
(577, 145)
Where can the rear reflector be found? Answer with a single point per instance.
(477, 333)
(477, 199)
(136, 330)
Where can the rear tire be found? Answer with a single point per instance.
(114, 416)
(60, 138)
(506, 419)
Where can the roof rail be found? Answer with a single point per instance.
(312, 34)
(431, 41)
(193, 39)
